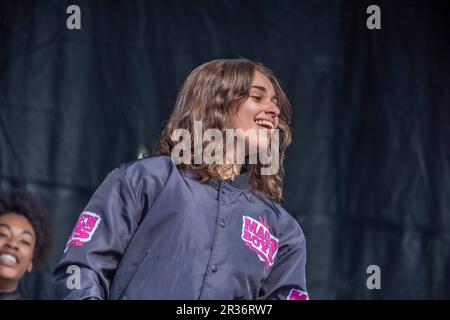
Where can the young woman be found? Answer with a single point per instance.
(24, 239)
(158, 228)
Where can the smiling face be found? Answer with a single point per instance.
(17, 243)
(260, 112)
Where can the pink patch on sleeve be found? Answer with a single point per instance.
(84, 229)
(298, 295)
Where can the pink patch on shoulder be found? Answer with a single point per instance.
(84, 229)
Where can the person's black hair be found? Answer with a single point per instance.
(21, 202)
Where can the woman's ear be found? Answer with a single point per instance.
(30, 267)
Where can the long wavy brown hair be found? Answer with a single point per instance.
(213, 93)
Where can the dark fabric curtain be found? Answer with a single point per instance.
(367, 175)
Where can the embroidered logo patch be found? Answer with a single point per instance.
(257, 237)
(84, 229)
(298, 295)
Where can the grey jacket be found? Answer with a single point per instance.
(151, 231)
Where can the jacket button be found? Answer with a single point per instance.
(214, 268)
(222, 223)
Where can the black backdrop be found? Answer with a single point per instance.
(368, 173)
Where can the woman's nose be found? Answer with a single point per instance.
(273, 110)
(12, 243)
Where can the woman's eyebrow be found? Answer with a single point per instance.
(260, 88)
(5, 225)
(28, 232)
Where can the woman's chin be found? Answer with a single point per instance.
(8, 275)
(260, 148)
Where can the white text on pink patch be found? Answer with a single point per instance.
(84, 229)
(257, 237)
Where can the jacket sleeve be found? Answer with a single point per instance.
(287, 280)
(104, 229)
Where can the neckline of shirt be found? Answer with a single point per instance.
(239, 183)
